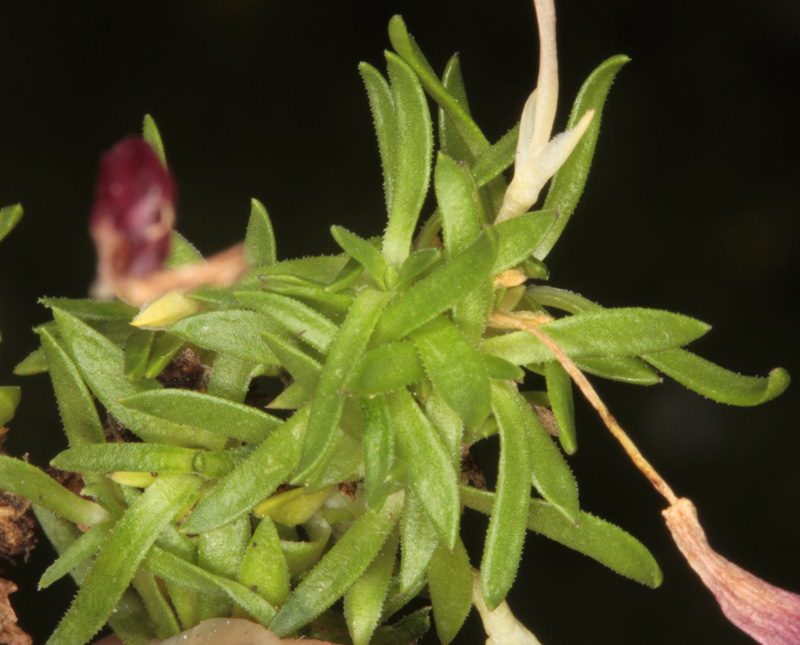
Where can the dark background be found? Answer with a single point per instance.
(691, 206)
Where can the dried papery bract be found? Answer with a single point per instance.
(132, 221)
(769, 614)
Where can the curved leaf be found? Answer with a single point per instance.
(716, 382)
(383, 116)
(518, 238)
(151, 134)
(363, 252)
(459, 204)
(373, 374)
(9, 216)
(9, 400)
(134, 457)
(450, 584)
(568, 183)
(259, 241)
(559, 390)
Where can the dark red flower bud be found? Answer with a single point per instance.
(133, 213)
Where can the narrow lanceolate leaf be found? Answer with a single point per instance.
(518, 238)
(559, 389)
(231, 332)
(339, 568)
(135, 457)
(628, 369)
(448, 425)
(181, 252)
(408, 50)
(230, 377)
(304, 369)
(433, 477)
(221, 552)
(412, 159)
(506, 533)
(151, 134)
(101, 365)
(716, 382)
(174, 569)
(450, 584)
(600, 540)
(121, 555)
(293, 317)
(264, 568)
(459, 204)
(254, 480)
(33, 363)
(419, 542)
(87, 309)
(364, 252)
(153, 595)
(76, 553)
(207, 412)
(363, 601)
(328, 401)
(383, 115)
(378, 443)
(440, 290)
(416, 265)
(450, 141)
(9, 216)
(25, 480)
(387, 368)
(165, 347)
(456, 370)
(9, 400)
(137, 353)
(259, 241)
(568, 183)
(550, 473)
(497, 158)
(610, 332)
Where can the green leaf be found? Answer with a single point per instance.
(331, 305)
(450, 141)
(568, 183)
(497, 158)
(378, 444)
(230, 377)
(551, 475)
(501, 369)
(259, 242)
(518, 238)
(9, 400)
(221, 552)
(264, 568)
(303, 368)
(151, 134)
(419, 542)
(412, 159)
(442, 288)
(364, 252)
(101, 363)
(339, 568)
(559, 389)
(303, 556)
(416, 265)
(459, 204)
(716, 382)
(218, 463)
(76, 553)
(137, 457)
(456, 370)
(433, 477)
(363, 601)
(450, 584)
(87, 309)
(328, 402)
(628, 369)
(230, 332)
(33, 363)
(383, 115)
(292, 316)
(254, 480)
(25, 480)
(409, 629)
(506, 532)
(165, 347)
(181, 252)
(408, 50)
(137, 353)
(120, 556)
(207, 412)
(174, 569)
(448, 425)
(610, 332)
(9, 216)
(598, 539)
(158, 607)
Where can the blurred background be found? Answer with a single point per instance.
(691, 206)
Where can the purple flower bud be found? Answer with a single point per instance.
(133, 213)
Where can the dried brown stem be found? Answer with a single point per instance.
(509, 321)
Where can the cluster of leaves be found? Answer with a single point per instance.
(349, 484)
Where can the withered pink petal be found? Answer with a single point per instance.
(768, 614)
(133, 213)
